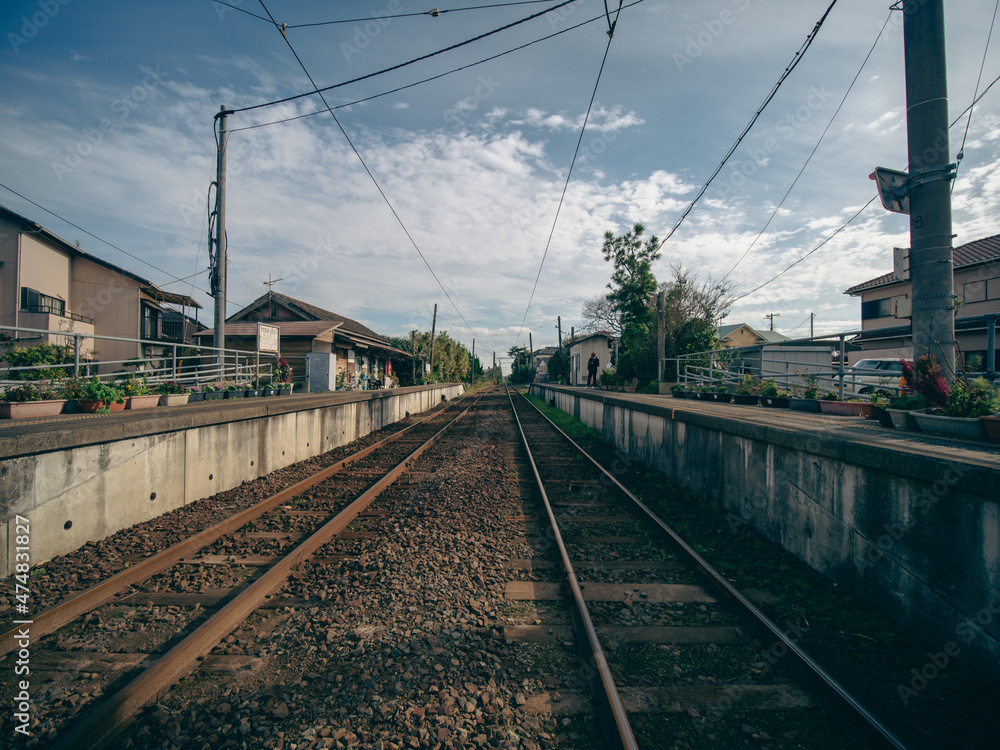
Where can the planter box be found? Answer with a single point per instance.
(630, 389)
(285, 390)
(954, 426)
(774, 402)
(868, 411)
(268, 392)
(174, 399)
(251, 393)
(214, 395)
(142, 402)
(722, 398)
(841, 408)
(675, 394)
(234, 394)
(31, 409)
(744, 399)
(196, 396)
(883, 417)
(902, 419)
(804, 404)
(992, 427)
(91, 405)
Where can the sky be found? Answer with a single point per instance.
(107, 109)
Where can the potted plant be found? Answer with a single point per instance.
(805, 398)
(283, 376)
(235, 390)
(608, 381)
(136, 393)
(720, 393)
(173, 393)
(832, 404)
(967, 401)
(34, 399)
(214, 391)
(96, 395)
(877, 410)
(630, 388)
(748, 390)
(196, 394)
(772, 396)
(901, 412)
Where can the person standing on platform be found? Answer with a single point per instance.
(592, 364)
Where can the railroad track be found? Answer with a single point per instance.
(169, 604)
(666, 641)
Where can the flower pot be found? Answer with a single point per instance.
(991, 425)
(142, 402)
(285, 389)
(841, 408)
(722, 398)
(251, 393)
(675, 394)
(868, 411)
(804, 404)
(883, 417)
(774, 402)
(31, 409)
(953, 426)
(196, 396)
(902, 419)
(91, 405)
(174, 399)
(214, 395)
(630, 389)
(234, 394)
(268, 392)
(117, 405)
(746, 399)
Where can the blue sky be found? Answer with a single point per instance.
(106, 110)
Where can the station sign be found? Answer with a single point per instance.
(268, 338)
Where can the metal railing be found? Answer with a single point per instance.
(183, 363)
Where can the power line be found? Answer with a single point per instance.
(434, 13)
(434, 77)
(572, 163)
(979, 78)
(429, 55)
(370, 174)
(767, 100)
(813, 152)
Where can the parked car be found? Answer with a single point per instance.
(883, 376)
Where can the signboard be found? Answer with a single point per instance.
(268, 338)
(901, 263)
(892, 189)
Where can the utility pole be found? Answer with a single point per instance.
(929, 181)
(494, 371)
(472, 378)
(572, 332)
(413, 354)
(219, 268)
(559, 326)
(771, 317)
(434, 321)
(661, 332)
(812, 317)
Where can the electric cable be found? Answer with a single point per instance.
(813, 152)
(433, 13)
(979, 78)
(320, 91)
(767, 100)
(434, 77)
(569, 174)
(370, 174)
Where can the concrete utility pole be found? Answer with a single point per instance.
(434, 321)
(812, 317)
(219, 269)
(472, 377)
(661, 332)
(495, 373)
(413, 354)
(930, 176)
(771, 317)
(559, 326)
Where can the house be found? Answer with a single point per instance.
(307, 329)
(601, 343)
(540, 362)
(48, 284)
(884, 321)
(741, 334)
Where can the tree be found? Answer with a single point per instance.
(632, 280)
(599, 314)
(452, 361)
(693, 312)
(521, 370)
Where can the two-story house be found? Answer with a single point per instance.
(977, 292)
(48, 284)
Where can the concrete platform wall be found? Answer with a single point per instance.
(915, 536)
(83, 480)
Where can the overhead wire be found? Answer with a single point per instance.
(767, 100)
(434, 77)
(434, 13)
(576, 152)
(378, 186)
(321, 91)
(813, 152)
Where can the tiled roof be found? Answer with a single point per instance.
(980, 251)
(312, 311)
(311, 328)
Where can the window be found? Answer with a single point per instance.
(34, 301)
(993, 288)
(877, 308)
(150, 322)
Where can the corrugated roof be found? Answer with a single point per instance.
(971, 253)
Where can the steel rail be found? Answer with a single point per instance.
(84, 601)
(104, 724)
(608, 694)
(837, 696)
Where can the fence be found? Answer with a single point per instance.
(178, 362)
